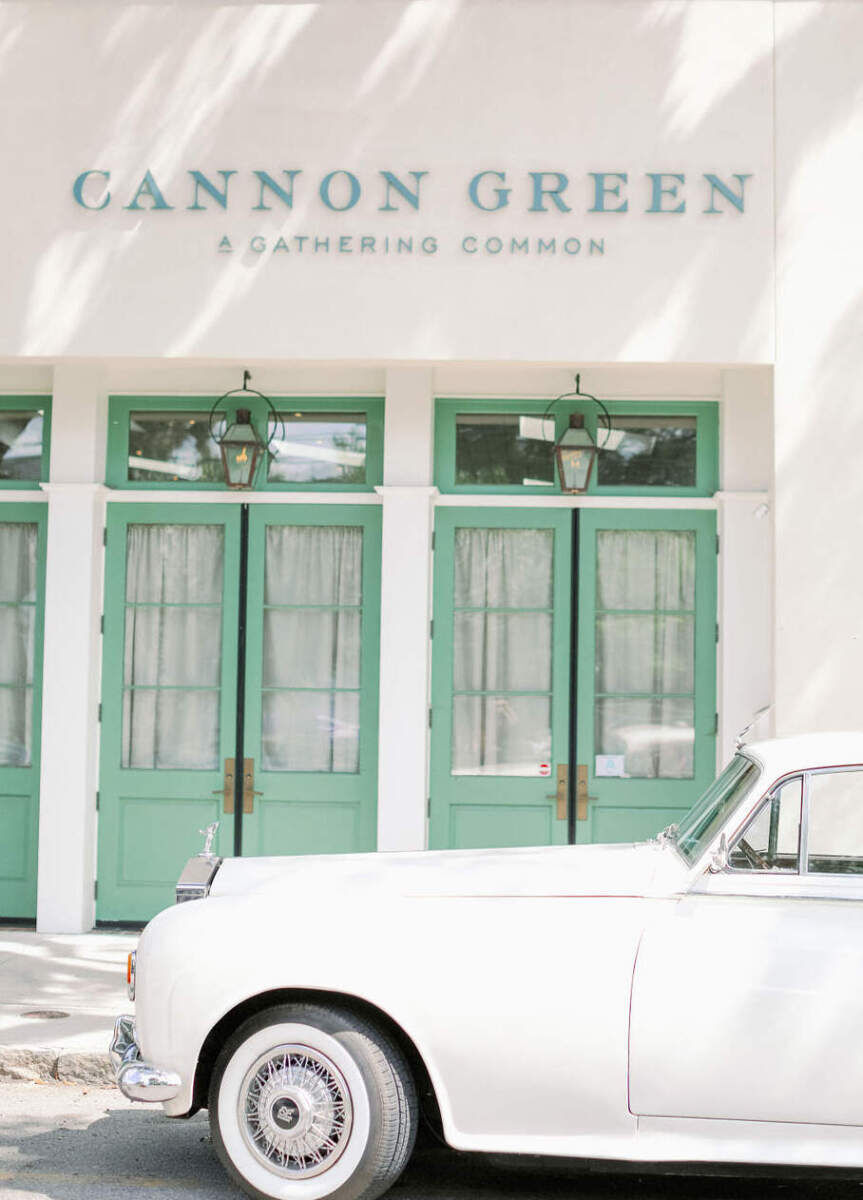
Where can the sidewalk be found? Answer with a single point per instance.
(81, 976)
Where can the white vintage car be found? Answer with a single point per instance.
(697, 997)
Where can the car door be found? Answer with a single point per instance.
(746, 992)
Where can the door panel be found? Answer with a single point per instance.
(168, 697)
(312, 678)
(500, 679)
(645, 710)
(747, 1008)
(22, 587)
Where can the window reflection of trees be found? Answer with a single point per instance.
(651, 455)
(319, 448)
(173, 446)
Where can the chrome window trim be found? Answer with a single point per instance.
(848, 769)
(823, 885)
(766, 799)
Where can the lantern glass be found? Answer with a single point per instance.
(575, 452)
(241, 451)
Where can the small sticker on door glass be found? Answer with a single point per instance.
(610, 766)
(545, 768)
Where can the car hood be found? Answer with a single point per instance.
(645, 868)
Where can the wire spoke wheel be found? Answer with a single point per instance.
(295, 1112)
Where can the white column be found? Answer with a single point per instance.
(71, 682)
(405, 609)
(745, 524)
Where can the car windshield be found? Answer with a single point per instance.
(709, 813)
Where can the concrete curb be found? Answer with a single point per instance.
(53, 1066)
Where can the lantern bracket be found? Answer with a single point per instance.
(245, 390)
(578, 394)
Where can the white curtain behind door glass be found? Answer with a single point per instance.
(17, 642)
(173, 646)
(645, 650)
(501, 651)
(312, 648)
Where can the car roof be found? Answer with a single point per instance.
(806, 751)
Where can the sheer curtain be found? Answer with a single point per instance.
(173, 646)
(17, 642)
(312, 648)
(502, 651)
(645, 650)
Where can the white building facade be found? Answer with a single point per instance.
(414, 224)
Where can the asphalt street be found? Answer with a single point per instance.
(70, 1143)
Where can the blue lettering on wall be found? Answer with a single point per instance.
(148, 187)
(501, 193)
(220, 195)
(353, 191)
(393, 183)
(659, 189)
(601, 190)
(540, 191)
(716, 185)
(78, 190)
(286, 195)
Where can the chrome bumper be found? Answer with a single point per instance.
(136, 1079)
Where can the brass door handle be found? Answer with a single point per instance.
(562, 793)
(249, 792)
(226, 791)
(581, 796)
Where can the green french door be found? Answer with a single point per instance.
(22, 589)
(239, 685)
(500, 676)
(574, 673)
(645, 705)
(169, 684)
(311, 714)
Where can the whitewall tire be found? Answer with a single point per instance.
(308, 1102)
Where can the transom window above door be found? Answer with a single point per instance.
(24, 440)
(314, 444)
(658, 448)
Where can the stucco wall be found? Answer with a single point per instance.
(819, 367)
(438, 86)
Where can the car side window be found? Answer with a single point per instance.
(835, 836)
(771, 840)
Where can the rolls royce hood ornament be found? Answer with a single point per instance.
(209, 837)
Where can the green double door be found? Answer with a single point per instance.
(22, 588)
(573, 673)
(240, 642)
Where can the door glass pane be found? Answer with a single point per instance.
(500, 735)
(169, 446)
(504, 448)
(648, 452)
(17, 642)
(311, 731)
(318, 447)
(503, 568)
(502, 673)
(502, 652)
(836, 823)
(312, 648)
(173, 647)
(645, 651)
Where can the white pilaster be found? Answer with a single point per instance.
(745, 524)
(70, 692)
(405, 609)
